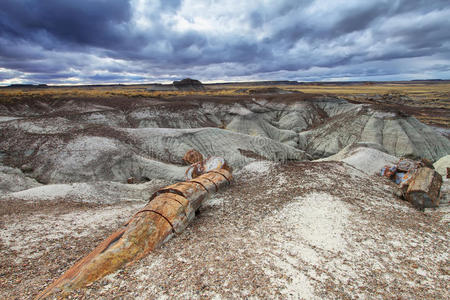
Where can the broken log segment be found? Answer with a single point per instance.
(424, 188)
(192, 157)
(205, 166)
(168, 212)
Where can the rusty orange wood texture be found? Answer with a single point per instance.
(168, 212)
(192, 157)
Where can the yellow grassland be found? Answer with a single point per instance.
(416, 91)
(435, 95)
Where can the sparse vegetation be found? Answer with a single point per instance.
(425, 96)
(417, 92)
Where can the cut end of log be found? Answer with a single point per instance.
(192, 157)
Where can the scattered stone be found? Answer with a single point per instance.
(287, 251)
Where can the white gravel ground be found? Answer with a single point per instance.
(313, 230)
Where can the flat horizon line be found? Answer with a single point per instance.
(287, 82)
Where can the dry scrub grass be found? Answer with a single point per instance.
(17, 94)
(430, 102)
(415, 91)
(419, 91)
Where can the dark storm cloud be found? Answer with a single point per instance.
(419, 5)
(431, 35)
(126, 40)
(316, 30)
(53, 23)
(359, 18)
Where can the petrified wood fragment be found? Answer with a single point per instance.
(192, 157)
(168, 212)
(204, 166)
(424, 188)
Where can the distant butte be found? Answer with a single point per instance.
(188, 84)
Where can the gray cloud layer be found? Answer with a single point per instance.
(104, 41)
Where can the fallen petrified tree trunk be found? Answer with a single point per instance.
(424, 188)
(169, 211)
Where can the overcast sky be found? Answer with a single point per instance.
(131, 41)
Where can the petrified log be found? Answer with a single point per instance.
(204, 166)
(168, 212)
(424, 188)
(192, 157)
